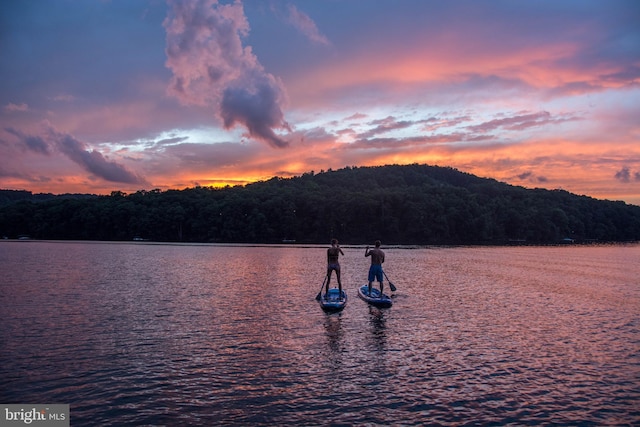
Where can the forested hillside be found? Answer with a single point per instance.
(414, 204)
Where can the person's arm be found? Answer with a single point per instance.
(366, 251)
(340, 250)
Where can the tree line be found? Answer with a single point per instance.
(412, 204)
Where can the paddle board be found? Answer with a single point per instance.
(375, 298)
(333, 301)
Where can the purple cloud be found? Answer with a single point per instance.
(257, 110)
(90, 160)
(33, 143)
(435, 123)
(385, 125)
(624, 175)
(525, 175)
(212, 68)
(519, 122)
(93, 161)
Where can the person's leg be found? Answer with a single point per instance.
(339, 281)
(371, 277)
(326, 288)
(379, 274)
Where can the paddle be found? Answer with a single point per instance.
(391, 285)
(320, 293)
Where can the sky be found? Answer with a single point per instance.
(99, 96)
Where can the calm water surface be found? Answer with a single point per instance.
(148, 334)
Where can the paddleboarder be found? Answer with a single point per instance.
(333, 253)
(375, 271)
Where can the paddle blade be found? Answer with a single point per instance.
(391, 285)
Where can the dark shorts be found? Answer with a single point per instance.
(333, 266)
(375, 272)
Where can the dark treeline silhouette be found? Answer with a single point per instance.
(413, 204)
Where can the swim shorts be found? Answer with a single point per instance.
(375, 272)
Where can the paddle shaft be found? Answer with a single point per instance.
(391, 285)
(320, 293)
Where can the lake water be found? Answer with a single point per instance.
(153, 334)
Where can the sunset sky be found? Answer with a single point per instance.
(98, 95)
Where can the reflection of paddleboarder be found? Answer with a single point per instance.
(335, 335)
(378, 328)
(375, 271)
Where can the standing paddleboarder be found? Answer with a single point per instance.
(375, 271)
(333, 253)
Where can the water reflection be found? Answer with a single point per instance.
(335, 335)
(193, 335)
(378, 327)
(381, 369)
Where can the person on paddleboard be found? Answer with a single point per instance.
(375, 271)
(333, 253)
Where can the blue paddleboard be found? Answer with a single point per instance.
(375, 299)
(333, 301)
